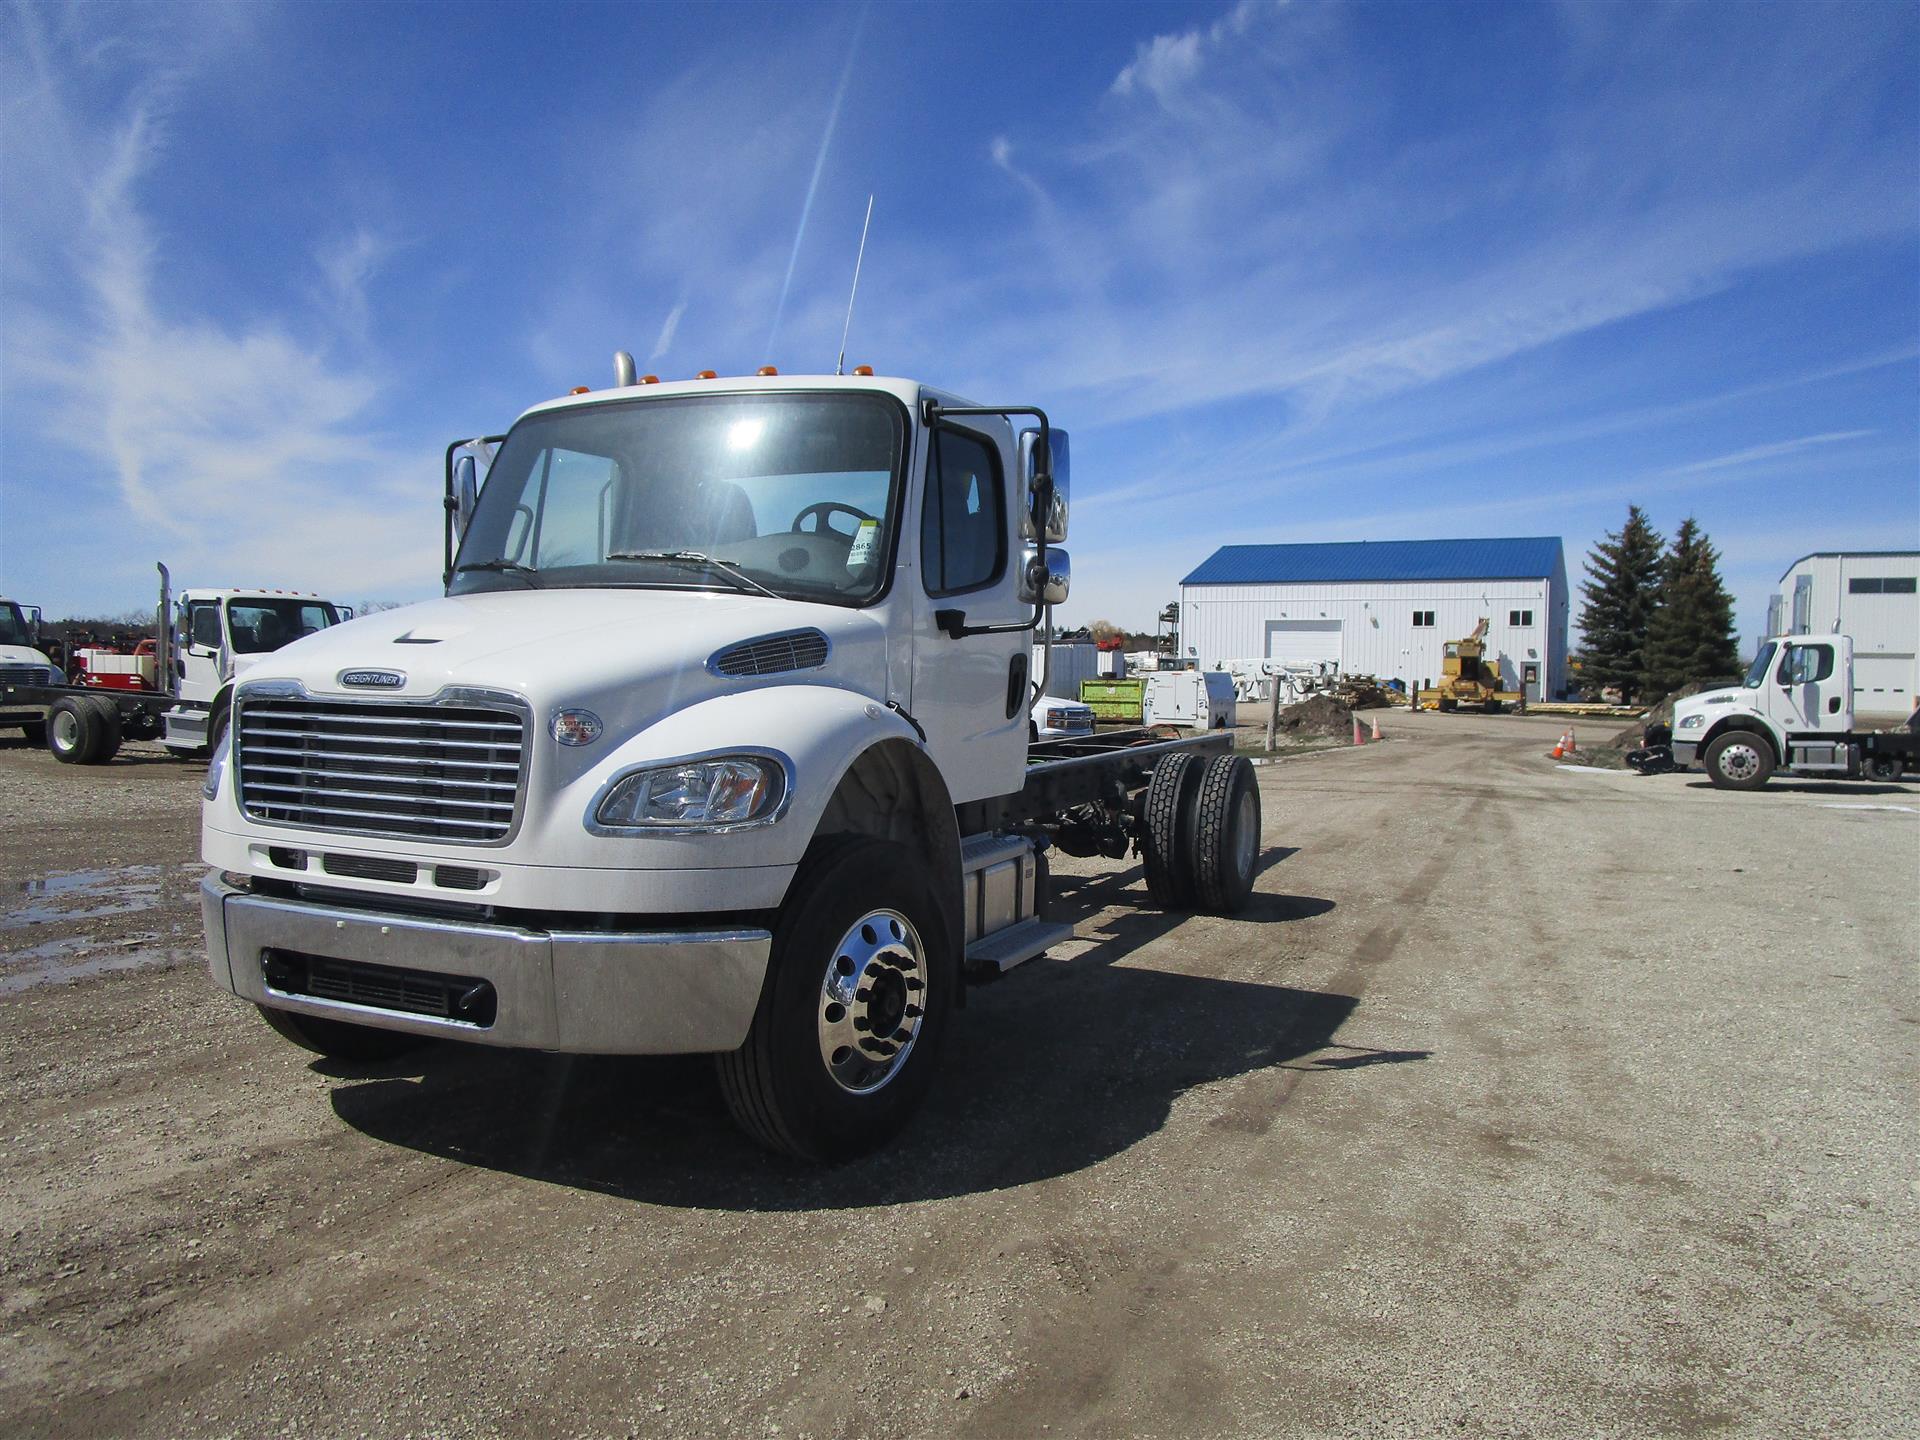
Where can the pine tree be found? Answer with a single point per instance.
(1624, 571)
(1691, 637)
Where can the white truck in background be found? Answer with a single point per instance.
(24, 663)
(181, 695)
(719, 741)
(1793, 711)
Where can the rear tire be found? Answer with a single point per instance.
(1225, 834)
(82, 730)
(1165, 815)
(1739, 760)
(106, 729)
(1884, 767)
(337, 1039)
(856, 1003)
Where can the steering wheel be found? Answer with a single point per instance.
(821, 509)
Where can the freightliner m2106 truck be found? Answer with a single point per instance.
(718, 741)
(1794, 711)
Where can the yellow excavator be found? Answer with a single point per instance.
(1468, 681)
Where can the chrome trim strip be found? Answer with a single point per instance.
(451, 696)
(594, 826)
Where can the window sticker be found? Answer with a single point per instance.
(864, 539)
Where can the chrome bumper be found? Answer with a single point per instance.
(1683, 752)
(629, 993)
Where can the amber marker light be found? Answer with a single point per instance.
(581, 390)
(863, 369)
(649, 379)
(766, 370)
(706, 375)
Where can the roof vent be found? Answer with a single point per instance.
(772, 654)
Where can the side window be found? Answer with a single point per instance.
(1423, 619)
(1520, 619)
(205, 625)
(963, 524)
(1806, 664)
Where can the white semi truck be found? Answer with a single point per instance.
(1793, 711)
(718, 741)
(24, 663)
(204, 640)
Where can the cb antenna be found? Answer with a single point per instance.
(841, 367)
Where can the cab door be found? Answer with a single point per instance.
(203, 644)
(1815, 688)
(969, 692)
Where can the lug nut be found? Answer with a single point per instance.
(914, 1012)
(860, 1023)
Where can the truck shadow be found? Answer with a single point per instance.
(1063, 1064)
(1820, 787)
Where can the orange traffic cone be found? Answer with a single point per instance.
(1376, 727)
(1358, 739)
(1559, 747)
(1573, 745)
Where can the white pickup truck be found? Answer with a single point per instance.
(719, 741)
(1793, 711)
(24, 663)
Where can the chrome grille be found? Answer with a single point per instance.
(406, 771)
(772, 654)
(25, 675)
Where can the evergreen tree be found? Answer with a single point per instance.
(1691, 637)
(1624, 574)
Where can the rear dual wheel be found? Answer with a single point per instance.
(83, 730)
(1200, 832)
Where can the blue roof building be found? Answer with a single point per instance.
(1384, 607)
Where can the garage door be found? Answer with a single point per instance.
(1303, 642)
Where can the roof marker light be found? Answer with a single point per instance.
(649, 379)
(863, 369)
(766, 370)
(706, 375)
(581, 390)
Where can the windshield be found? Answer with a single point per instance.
(13, 626)
(1757, 672)
(262, 625)
(793, 495)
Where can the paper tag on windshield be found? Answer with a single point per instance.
(863, 542)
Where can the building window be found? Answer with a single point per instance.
(1422, 619)
(1520, 619)
(1881, 585)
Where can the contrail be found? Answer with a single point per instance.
(813, 185)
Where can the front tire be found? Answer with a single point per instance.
(1739, 760)
(337, 1039)
(855, 1006)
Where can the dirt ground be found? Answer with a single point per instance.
(1523, 1101)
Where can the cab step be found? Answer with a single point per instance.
(993, 955)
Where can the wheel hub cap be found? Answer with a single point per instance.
(1739, 761)
(66, 729)
(872, 1001)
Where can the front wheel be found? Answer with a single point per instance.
(856, 1002)
(1739, 760)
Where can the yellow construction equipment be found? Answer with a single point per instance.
(1467, 681)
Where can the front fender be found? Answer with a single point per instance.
(1753, 724)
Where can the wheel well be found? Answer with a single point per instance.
(894, 792)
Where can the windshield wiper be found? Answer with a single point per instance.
(512, 567)
(694, 559)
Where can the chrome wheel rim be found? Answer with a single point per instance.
(1739, 762)
(872, 1001)
(66, 730)
(1246, 837)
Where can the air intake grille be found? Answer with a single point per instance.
(25, 675)
(772, 654)
(410, 772)
(370, 867)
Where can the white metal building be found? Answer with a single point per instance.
(1872, 595)
(1384, 607)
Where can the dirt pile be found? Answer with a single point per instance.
(1660, 714)
(1316, 715)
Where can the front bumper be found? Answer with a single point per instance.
(1683, 753)
(651, 992)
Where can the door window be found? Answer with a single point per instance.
(963, 524)
(205, 625)
(1806, 664)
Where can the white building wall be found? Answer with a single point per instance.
(1885, 628)
(1377, 633)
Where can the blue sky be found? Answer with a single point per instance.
(1287, 272)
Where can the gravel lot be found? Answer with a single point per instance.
(1524, 1101)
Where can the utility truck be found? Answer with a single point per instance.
(179, 689)
(1793, 711)
(717, 742)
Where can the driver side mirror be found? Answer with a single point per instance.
(1045, 584)
(1056, 516)
(466, 494)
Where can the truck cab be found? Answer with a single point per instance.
(23, 662)
(218, 635)
(717, 741)
(1794, 709)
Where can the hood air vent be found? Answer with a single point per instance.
(772, 654)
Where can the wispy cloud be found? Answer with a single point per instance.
(669, 327)
(1166, 63)
(1774, 450)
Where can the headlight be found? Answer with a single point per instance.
(1691, 722)
(723, 791)
(1056, 719)
(217, 767)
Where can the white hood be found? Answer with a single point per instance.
(21, 655)
(575, 647)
